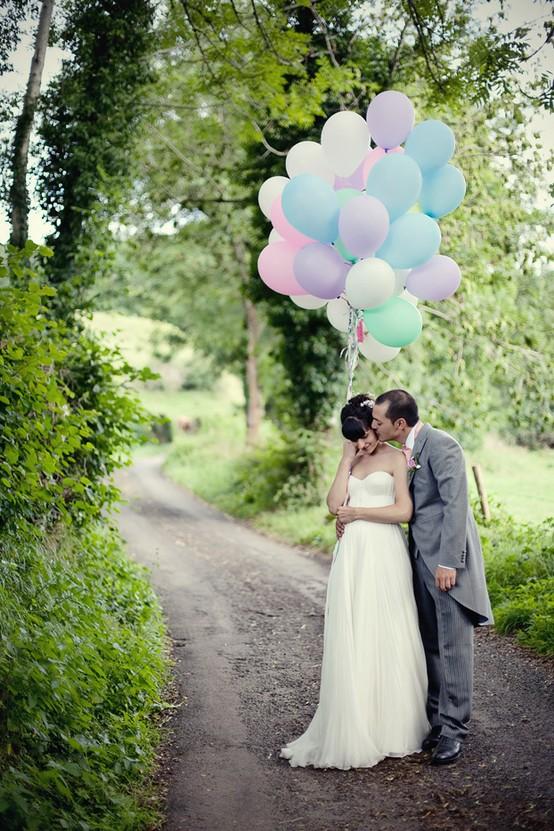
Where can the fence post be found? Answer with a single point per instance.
(477, 473)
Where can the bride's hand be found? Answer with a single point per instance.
(349, 450)
(346, 514)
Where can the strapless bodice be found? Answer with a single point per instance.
(373, 491)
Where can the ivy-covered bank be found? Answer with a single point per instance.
(82, 643)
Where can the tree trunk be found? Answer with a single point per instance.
(19, 198)
(254, 409)
(253, 396)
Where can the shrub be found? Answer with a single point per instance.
(67, 416)
(82, 668)
(519, 562)
(82, 661)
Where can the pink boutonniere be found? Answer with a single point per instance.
(413, 464)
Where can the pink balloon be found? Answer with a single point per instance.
(373, 156)
(283, 227)
(275, 267)
(436, 279)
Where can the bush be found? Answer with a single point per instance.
(82, 668)
(82, 661)
(519, 562)
(284, 473)
(67, 417)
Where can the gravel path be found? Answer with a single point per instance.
(246, 617)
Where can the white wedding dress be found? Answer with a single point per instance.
(373, 674)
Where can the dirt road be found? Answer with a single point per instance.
(246, 617)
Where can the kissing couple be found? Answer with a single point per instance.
(397, 668)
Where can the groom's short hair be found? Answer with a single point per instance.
(401, 405)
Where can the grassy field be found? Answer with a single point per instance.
(521, 481)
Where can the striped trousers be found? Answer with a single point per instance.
(447, 634)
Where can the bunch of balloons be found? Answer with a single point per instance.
(354, 226)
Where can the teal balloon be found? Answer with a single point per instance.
(310, 205)
(344, 195)
(396, 323)
(396, 181)
(431, 144)
(442, 191)
(344, 252)
(411, 241)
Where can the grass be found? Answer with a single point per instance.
(521, 481)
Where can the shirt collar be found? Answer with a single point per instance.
(412, 435)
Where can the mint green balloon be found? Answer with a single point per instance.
(344, 252)
(396, 323)
(346, 194)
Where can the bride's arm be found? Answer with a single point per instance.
(339, 488)
(402, 509)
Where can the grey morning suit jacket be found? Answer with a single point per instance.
(443, 530)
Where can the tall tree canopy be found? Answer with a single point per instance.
(240, 85)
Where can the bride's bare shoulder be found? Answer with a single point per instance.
(390, 450)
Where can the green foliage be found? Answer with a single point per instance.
(82, 661)
(202, 162)
(283, 473)
(520, 575)
(90, 115)
(82, 668)
(66, 418)
(516, 553)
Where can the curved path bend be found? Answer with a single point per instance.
(245, 614)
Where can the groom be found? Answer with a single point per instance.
(449, 579)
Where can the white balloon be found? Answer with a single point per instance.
(308, 157)
(400, 275)
(411, 298)
(369, 283)
(275, 236)
(377, 352)
(269, 191)
(308, 301)
(338, 314)
(345, 141)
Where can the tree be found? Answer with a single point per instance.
(18, 193)
(89, 118)
(271, 80)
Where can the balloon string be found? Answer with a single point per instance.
(351, 349)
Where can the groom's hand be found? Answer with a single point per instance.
(445, 578)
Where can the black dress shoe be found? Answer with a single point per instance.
(432, 739)
(446, 751)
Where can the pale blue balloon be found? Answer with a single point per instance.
(395, 180)
(310, 204)
(442, 191)
(431, 144)
(412, 240)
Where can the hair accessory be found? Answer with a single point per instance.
(368, 403)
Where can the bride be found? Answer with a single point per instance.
(373, 675)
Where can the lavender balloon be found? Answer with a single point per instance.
(390, 118)
(363, 225)
(320, 270)
(436, 279)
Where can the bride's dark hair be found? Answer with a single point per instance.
(356, 416)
